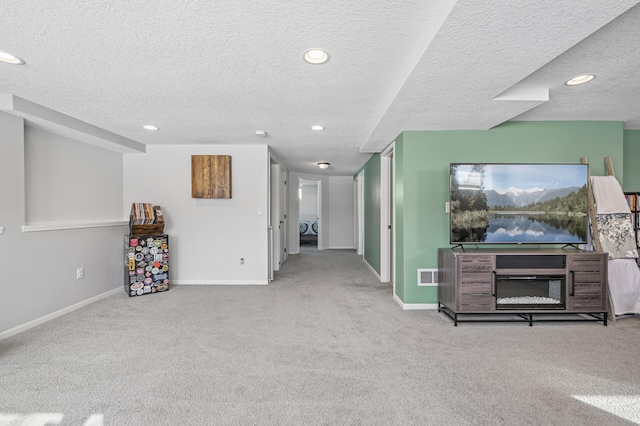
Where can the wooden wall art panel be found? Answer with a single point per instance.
(210, 176)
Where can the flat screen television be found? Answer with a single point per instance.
(518, 203)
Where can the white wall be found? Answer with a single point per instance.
(38, 269)
(341, 213)
(207, 237)
(309, 201)
(67, 180)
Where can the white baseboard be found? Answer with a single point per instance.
(215, 282)
(414, 306)
(36, 322)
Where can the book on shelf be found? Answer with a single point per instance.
(632, 201)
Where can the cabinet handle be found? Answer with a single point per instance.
(573, 288)
(493, 284)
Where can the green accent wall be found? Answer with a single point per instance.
(631, 161)
(372, 211)
(422, 161)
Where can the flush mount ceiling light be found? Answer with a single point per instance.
(317, 127)
(324, 165)
(315, 56)
(10, 59)
(149, 127)
(261, 133)
(580, 79)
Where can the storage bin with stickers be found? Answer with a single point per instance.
(146, 251)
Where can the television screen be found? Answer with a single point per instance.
(518, 203)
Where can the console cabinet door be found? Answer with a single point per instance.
(587, 282)
(475, 283)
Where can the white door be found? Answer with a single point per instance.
(278, 215)
(282, 218)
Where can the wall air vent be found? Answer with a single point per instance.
(427, 277)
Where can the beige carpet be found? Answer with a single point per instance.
(324, 344)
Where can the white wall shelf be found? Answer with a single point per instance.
(60, 226)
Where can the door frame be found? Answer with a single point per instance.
(294, 210)
(359, 213)
(387, 235)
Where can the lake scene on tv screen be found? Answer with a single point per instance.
(518, 203)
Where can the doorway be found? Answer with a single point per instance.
(278, 216)
(309, 212)
(387, 237)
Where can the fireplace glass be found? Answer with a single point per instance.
(530, 292)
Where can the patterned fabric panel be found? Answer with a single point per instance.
(616, 235)
(304, 228)
(308, 227)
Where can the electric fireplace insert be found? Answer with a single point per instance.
(530, 292)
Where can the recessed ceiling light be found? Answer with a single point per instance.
(149, 127)
(10, 59)
(580, 79)
(324, 165)
(317, 127)
(315, 56)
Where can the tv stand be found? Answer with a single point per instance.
(524, 285)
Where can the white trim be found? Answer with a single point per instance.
(59, 226)
(217, 282)
(1, 229)
(414, 306)
(39, 321)
(386, 204)
(359, 212)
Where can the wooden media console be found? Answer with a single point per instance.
(522, 285)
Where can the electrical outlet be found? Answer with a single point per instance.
(79, 273)
(242, 260)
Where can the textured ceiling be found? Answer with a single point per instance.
(215, 72)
